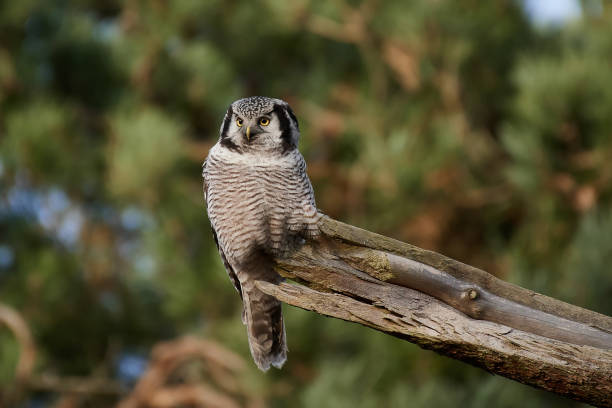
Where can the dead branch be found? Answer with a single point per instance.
(27, 354)
(222, 366)
(452, 308)
(222, 388)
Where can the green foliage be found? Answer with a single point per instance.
(455, 126)
(143, 140)
(592, 286)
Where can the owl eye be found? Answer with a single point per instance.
(264, 121)
(239, 122)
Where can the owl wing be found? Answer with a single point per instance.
(228, 267)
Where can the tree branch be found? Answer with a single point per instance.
(27, 351)
(451, 308)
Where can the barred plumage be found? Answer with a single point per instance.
(260, 204)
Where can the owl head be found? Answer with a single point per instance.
(259, 124)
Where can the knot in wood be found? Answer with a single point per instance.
(469, 294)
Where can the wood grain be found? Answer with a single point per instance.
(451, 308)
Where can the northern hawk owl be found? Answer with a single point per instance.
(260, 204)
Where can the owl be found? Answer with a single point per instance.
(260, 205)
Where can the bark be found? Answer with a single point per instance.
(451, 308)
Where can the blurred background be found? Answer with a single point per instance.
(481, 130)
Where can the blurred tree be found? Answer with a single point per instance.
(454, 126)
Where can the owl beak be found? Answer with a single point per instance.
(251, 131)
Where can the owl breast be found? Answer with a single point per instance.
(258, 204)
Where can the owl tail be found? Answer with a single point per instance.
(265, 328)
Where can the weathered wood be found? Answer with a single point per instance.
(362, 238)
(471, 299)
(456, 310)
